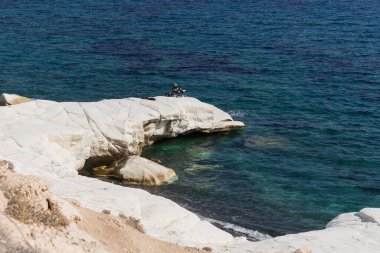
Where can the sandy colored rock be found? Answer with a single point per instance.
(3, 202)
(117, 236)
(303, 250)
(33, 220)
(6, 165)
(27, 199)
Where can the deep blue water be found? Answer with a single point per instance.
(303, 75)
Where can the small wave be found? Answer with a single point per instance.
(237, 114)
(236, 230)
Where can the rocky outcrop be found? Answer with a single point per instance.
(54, 140)
(60, 137)
(139, 170)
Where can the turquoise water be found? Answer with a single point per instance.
(303, 75)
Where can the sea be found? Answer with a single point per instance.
(303, 75)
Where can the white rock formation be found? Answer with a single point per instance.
(143, 171)
(53, 140)
(136, 170)
(60, 136)
(357, 232)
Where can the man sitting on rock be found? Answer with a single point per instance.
(176, 91)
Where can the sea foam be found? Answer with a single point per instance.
(252, 235)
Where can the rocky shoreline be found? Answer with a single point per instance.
(54, 140)
(35, 220)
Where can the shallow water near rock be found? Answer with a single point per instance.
(302, 75)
